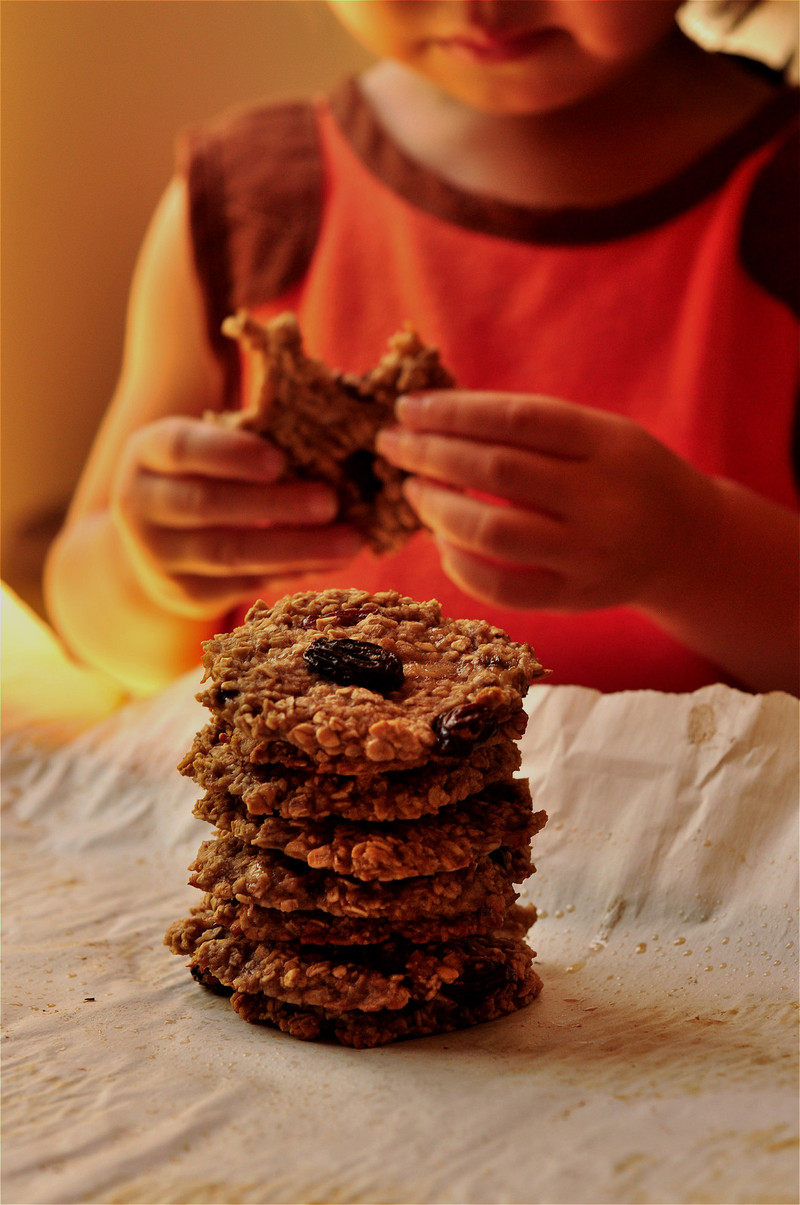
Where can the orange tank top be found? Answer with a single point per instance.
(673, 308)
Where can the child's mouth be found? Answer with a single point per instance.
(497, 47)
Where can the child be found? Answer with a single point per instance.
(592, 219)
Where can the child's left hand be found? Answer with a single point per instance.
(541, 503)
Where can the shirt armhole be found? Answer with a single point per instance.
(255, 182)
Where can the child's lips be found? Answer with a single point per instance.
(497, 47)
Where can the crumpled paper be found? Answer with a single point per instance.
(658, 1065)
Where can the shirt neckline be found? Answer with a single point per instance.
(426, 190)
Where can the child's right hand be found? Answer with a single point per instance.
(210, 519)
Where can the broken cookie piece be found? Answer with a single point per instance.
(326, 421)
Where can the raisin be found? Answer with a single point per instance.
(458, 729)
(360, 468)
(224, 695)
(355, 663)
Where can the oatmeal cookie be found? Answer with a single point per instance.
(259, 924)
(367, 978)
(353, 681)
(227, 868)
(451, 840)
(350, 763)
(326, 422)
(361, 1030)
(223, 761)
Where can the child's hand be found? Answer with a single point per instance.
(208, 518)
(541, 503)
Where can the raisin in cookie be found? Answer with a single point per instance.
(353, 682)
(326, 421)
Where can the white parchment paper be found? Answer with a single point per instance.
(659, 1064)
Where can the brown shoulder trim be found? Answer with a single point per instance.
(770, 236)
(255, 191)
(565, 226)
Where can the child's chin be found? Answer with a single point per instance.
(514, 89)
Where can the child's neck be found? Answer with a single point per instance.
(632, 137)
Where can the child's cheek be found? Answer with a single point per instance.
(615, 31)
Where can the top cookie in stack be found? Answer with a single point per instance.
(351, 683)
(359, 768)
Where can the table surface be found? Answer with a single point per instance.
(658, 1065)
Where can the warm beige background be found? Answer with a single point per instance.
(93, 92)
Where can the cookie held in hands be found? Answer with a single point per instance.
(326, 421)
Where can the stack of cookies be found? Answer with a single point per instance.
(359, 770)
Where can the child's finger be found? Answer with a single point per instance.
(544, 424)
(201, 597)
(502, 532)
(519, 587)
(230, 551)
(529, 478)
(187, 445)
(212, 502)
